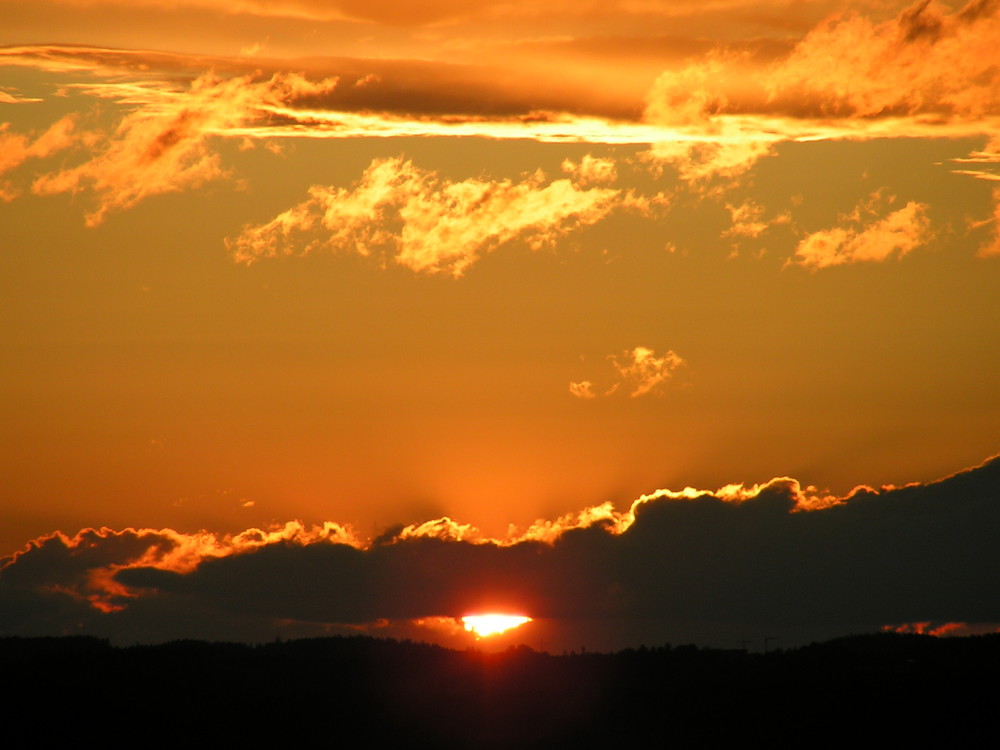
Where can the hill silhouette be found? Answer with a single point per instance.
(361, 691)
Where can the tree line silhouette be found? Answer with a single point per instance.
(368, 692)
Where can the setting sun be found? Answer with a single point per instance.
(484, 625)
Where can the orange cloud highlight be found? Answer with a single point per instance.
(928, 59)
(991, 248)
(865, 239)
(162, 145)
(426, 223)
(638, 371)
(16, 148)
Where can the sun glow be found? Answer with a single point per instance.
(491, 624)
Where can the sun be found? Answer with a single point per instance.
(492, 624)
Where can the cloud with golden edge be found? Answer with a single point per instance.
(89, 560)
(696, 141)
(16, 148)
(991, 248)
(929, 72)
(988, 161)
(591, 169)
(928, 59)
(748, 220)
(715, 118)
(638, 371)
(427, 223)
(861, 565)
(162, 145)
(866, 239)
(8, 98)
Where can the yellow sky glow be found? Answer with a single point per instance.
(492, 624)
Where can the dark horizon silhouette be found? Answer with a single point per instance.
(364, 691)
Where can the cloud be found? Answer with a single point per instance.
(591, 169)
(8, 98)
(642, 372)
(713, 118)
(699, 142)
(426, 223)
(162, 146)
(991, 248)
(438, 13)
(983, 165)
(926, 60)
(16, 148)
(741, 557)
(583, 389)
(929, 72)
(637, 371)
(747, 220)
(866, 238)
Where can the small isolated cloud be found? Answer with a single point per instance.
(638, 372)
(866, 238)
(747, 220)
(591, 169)
(427, 223)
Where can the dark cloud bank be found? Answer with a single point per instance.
(699, 569)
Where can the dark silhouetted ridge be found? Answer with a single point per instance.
(888, 687)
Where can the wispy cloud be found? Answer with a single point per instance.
(866, 238)
(991, 248)
(427, 223)
(929, 72)
(748, 219)
(984, 164)
(16, 148)
(8, 98)
(591, 169)
(162, 146)
(637, 372)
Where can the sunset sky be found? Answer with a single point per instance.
(284, 280)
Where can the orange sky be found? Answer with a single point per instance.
(379, 263)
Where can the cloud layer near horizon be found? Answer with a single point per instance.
(769, 556)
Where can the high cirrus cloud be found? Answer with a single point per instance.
(775, 555)
(425, 222)
(866, 238)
